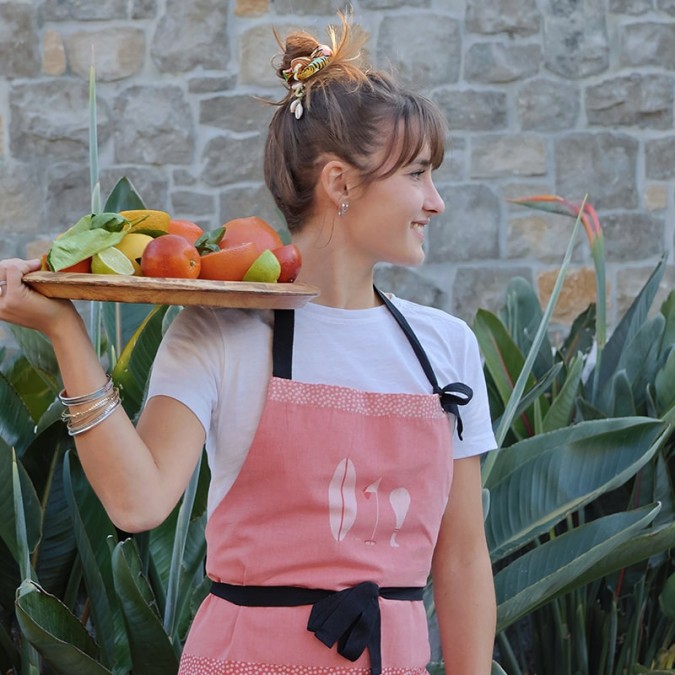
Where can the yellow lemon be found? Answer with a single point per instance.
(147, 220)
(265, 268)
(133, 246)
(111, 261)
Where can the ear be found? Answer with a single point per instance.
(334, 180)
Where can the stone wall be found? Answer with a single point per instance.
(542, 96)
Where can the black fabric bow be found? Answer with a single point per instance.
(351, 618)
(452, 396)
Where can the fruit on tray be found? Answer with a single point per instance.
(147, 242)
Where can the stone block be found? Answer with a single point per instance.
(22, 197)
(393, 4)
(575, 42)
(647, 44)
(191, 35)
(483, 287)
(150, 183)
(602, 165)
(191, 203)
(143, 9)
(50, 119)
(660, 158)
(19, 42)
(251, 7)
(656, 197)
(424, 50)
(548, 105)
(238, 112)
(410, 283)
(241, 201)
(256, 47)
(84, 10)
(454, 167)
(473, 110)
(667, 6)
(641, 100)
(68, 195)
(469, 229)
(183, 177)
(119, 53)
(633, 236)
(630, 6)
(153, 125)
(543, 237)
(2, 137)
(304, 7)
(512, 155)
(53, 54)
(577, 293)
(630, 281)
(211, 85)
(228, 159)
(494, 62)
(515, 17)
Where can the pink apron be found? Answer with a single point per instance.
(342, 490)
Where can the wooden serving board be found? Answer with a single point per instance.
(119, 288)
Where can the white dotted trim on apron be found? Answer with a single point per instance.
(353, 400)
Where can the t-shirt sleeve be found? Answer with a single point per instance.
(478, 436)
(187, 361)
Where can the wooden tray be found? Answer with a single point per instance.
(114, 288)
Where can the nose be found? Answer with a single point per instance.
(433, 202)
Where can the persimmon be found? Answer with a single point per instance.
(229, 264)
(84, 266)
(185, 228)
(253, 229)
(171, 255)
(290, 259)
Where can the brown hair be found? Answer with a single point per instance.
(351, 112)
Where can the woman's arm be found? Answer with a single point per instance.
(462, 577)
(139, 474)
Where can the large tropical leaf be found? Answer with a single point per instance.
(547, 570)
(535, 483)
(16, 422)
(664, 384)
(39, 351)
(31, 509)
(561, 411)
(133, 367)
(56, 633)
(522, 315)
(121, 320)
(92, 527)
(581, 335)
(630, 324)
(151, 648)
(123, 197)
(668, 311)
(36, 394)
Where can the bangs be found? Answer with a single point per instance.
(415, 125)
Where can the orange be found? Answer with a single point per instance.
(82, 266)
(171, 256)
(185, 228)
(253, 229)
(229, 264)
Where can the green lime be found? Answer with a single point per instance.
(265, 268)
(111, 261)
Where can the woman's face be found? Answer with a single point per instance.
(387, 219)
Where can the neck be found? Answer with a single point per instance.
(345, 281)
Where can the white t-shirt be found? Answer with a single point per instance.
(218, 362)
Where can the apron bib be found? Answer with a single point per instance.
(342, 490)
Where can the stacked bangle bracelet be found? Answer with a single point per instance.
(100, 404)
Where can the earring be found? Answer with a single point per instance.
(343, 208)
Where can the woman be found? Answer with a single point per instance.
(329, 429)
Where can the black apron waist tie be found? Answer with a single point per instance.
(350, 617)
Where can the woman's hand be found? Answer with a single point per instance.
(22, 306)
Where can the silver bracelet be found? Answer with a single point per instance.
(87, 398)
(67, 415)
(75, 431)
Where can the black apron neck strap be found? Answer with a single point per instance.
(282, 343)
(452, 395)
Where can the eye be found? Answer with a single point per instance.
(418, 173)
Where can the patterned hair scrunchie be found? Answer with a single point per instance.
(300, 70)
